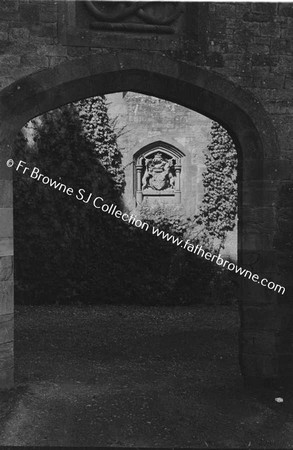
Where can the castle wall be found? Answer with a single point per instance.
(231, 62)
(142, 119)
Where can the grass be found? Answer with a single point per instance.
(136, 376)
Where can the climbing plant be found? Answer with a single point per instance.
(68, 251)
(98, 129)
(168, 218)
(218, 210)
(57, 238)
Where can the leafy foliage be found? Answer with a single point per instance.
(190, 279)
(219, 206)
(54, 232)
(165, 217)
(98, 130)
(68, 251)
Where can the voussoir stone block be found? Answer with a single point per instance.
(6, 246)
(258, 365)
(6, 297)
(258, 342)
(6, 268)
(6, 222)
(6, 366)
(6, 194)
(264, 317)
(6, 328)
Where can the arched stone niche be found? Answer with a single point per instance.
(157, 170)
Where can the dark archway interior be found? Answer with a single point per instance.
(205, 92)
(156, 350)
(174, 153)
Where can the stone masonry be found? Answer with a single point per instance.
(229, 61)
(145, 121)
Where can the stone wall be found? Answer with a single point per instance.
(229, 61)
(144, 119)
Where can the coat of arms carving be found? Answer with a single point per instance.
(159, 173)
(155, 17)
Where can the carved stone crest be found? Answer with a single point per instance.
(159, 173)
(134, 16)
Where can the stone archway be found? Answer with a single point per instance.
(198, 89)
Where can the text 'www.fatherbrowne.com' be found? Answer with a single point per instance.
(199, 251)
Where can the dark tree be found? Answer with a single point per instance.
(98, 129)
(219, 206)
(55, 232)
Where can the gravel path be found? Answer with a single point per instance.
(134, 376)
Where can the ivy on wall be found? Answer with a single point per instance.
(57, 238)
(98, 129)
(67, 251)
(218, 210)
